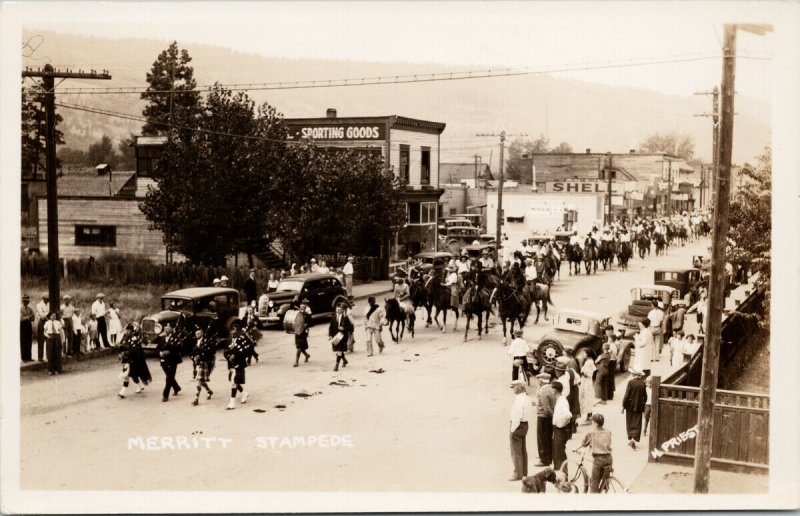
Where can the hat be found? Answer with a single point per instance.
(100, 295)
(545, 377)
(562, 360)
(216, 280)
(223, 278)
(313, 260)
(485, 251)
(47, 296)
(253, 269)
(701, 337)
(67, 296)
(518, 333)
(634, 372)
(349, 258)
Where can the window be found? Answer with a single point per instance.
(425, 166)
(452, 211)
(146, 158)
(413, 213)
(104, 236)
(428, 213)
(405, 161)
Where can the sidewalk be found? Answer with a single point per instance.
(673, 479)
(360, 292)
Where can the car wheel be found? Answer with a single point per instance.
(548, 352)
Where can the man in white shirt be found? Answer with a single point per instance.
(575, 239)
(99, 309)
(656, 316)
(52, 332)
(463, 264)
(42, 310)
(521, 413)
(374, 316)
(347, 270)
(562, 426)
(518, 350)
(530, 271)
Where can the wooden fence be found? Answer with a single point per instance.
(141, 272)
(741, 427)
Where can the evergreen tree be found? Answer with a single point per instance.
(34, 131)
(170, 93)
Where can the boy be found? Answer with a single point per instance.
(599, 439)
(92, 333)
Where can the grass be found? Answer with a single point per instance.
(133, 301)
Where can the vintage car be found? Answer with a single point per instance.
(198, 306)
(642, 297)
(434, 259)
(682, 280)
(449, 222)
(475, 219)
(475, 251)
(456, 237)
(323, 291)
(577, 330)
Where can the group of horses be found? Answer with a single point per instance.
(493, 294)
(603, 253)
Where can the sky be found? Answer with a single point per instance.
(475, 35)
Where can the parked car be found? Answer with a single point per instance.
(642, 297)
(456, 237)
(448, 222)
(577, 330)
(682, 280)
(323, 291)
(199, 306)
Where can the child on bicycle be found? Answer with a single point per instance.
(599, 439)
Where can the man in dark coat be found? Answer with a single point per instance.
(169, 352)
(633, 404)
(546, 397)
(251, 288)
(339, 332)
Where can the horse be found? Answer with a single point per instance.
(544, 269)
(644, 244)
(419, 297)
(440, 298)
(660, 243)
(624, 255)
(536, 293)
(398, 318)
(606, 253)
(574, 257)
(510, 306)
(589, 258)
(476, 303)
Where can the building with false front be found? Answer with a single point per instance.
(410, 149)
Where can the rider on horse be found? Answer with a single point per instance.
(403, 295)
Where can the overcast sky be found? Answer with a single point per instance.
(473, 35)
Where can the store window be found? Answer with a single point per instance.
(425, 166)
(103, 236)
(405, 163)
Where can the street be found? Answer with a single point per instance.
(428, 414)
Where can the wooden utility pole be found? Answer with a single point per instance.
(609, 174)
(669, 189)
(500, 216)
(714, 115)
(48, 75)
(475, 156)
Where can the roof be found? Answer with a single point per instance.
(585, 313)
(89, 184)
(311, 276)
(147, 141)
(195, 292)
(653, 287)
(640, 167)
(457, 172)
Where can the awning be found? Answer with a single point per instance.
(476, 207)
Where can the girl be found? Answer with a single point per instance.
(114, 325)
(586, 388)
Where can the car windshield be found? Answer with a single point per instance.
(290, 285)
(176, 304)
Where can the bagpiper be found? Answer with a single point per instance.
(134, 366)
(203, 356)
(238, 354)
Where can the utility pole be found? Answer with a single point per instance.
(609, 173)
(669, 189)
(716, 295)
(48, 75)
(476, 169)
(714, 115)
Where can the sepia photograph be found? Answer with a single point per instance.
(399, 256)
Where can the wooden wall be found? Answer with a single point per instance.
(414, 140)
(133, 237)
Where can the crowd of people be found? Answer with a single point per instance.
(66, 332)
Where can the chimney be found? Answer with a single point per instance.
(588, 151)
(633, 151)
(330, 113)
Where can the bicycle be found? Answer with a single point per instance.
(580, 479)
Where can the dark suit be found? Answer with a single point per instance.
(250, 290)
(169, 362)
(634, 402)
(340, 323)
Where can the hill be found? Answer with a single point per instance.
(586, 115)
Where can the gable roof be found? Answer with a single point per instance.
(88, 183)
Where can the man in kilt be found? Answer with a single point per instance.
(203, 355)
(134, 365)
(239, 353)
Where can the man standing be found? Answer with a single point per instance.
(42, 314)
(251, 288)
(99, 309)
(677, 317)
(347, 271)
(169, 353)
(562, 426)
(373, 320)
(546, 398)
(520, 414)
(633, 404)
(519, 357)
(52, 332)
(339, 332)
(26, 318)
(223, 282)
(67, 311)
(643, 341)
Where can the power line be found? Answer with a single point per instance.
(411, 78)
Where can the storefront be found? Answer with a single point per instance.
(410, 149)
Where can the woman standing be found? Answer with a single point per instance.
(52, 332)
(586, 389)
(272, 284)
(114, 324)
(601, 377)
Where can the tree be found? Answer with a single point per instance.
(519, 168)
(34, 130)
(126, 156)
(170, 92)
(751, 225)
(676, 144)
(563, 148)
(333, 201)
(101, 151)
(210, 195)
(70, 156)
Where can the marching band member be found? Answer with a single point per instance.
(203, 360)
(238, 354)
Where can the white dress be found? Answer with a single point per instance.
(114, 325)
(586, 392)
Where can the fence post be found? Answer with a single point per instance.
(655, 393)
